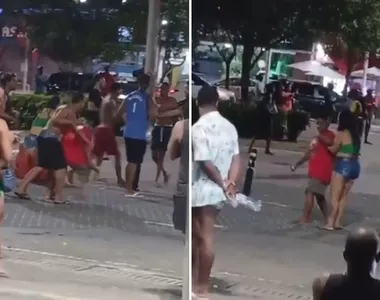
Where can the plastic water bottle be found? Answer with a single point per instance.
(248, 202)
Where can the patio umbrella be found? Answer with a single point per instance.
(371, 72)
(312, 67)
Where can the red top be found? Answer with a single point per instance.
(321, 162)
(75, 148)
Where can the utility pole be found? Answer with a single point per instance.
(154, 21)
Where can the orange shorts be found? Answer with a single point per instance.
(105, 142)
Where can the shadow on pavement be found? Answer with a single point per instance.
(166, 294)
(283, 176)
(220, 286)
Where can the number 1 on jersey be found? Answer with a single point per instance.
(134, 107)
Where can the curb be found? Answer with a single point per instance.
(157, 279)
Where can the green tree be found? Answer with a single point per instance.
(226, 45)
(268, 25)
(71, 35)
(71, 32)
(359, 33)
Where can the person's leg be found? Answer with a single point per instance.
(308, 207)
(120, 180)
(59, 167)
(166, 138)
(59, 183)
(269, 137)
(29, 177)
(155, 152)
(136, 180)
(206, 247)
(130, 170)
(113, 150)
(70, 177)
(195, 232)
(3, 274)
(160, 167)
(342, 204)
(337, 190)
(322, 204)
(156, 159)
(367, 129)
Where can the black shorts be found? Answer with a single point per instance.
(160, 137)
(50, 153)
(135, 150)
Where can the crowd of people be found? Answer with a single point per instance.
(333, 160)
(62, 145)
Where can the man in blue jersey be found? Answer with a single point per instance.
(136, 118)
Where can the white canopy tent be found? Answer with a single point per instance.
(312, 67)
(371, 72)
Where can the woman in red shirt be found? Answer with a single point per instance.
(321, 164)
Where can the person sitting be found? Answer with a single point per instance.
(361, 255)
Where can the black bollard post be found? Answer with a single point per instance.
(250, 172)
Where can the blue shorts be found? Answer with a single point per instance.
(349, 168)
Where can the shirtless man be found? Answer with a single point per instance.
(161, 132)
(8, 83)
(104, 136)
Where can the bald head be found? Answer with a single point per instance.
(361, 246)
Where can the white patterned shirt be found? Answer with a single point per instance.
(214, 139)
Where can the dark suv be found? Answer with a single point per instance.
(69, 82)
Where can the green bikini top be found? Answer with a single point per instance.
(348, 149)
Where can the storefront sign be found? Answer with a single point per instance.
(11, 32)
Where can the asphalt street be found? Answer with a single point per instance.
(106, 245)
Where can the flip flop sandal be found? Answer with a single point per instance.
(158, 185)
(339, 228)
(326, 228)
(134, 195)
(22, 196)
(66, 202)
(3, 274)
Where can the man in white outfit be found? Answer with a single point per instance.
(216, 168)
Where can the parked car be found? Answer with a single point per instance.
(309, 97)
(69, 82)
(235, 86)
(198, 81)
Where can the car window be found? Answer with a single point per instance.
(197, 80)
(304, 88)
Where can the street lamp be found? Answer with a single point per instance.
(164, 22)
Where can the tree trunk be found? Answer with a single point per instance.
(248, 53)
(228, 71)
